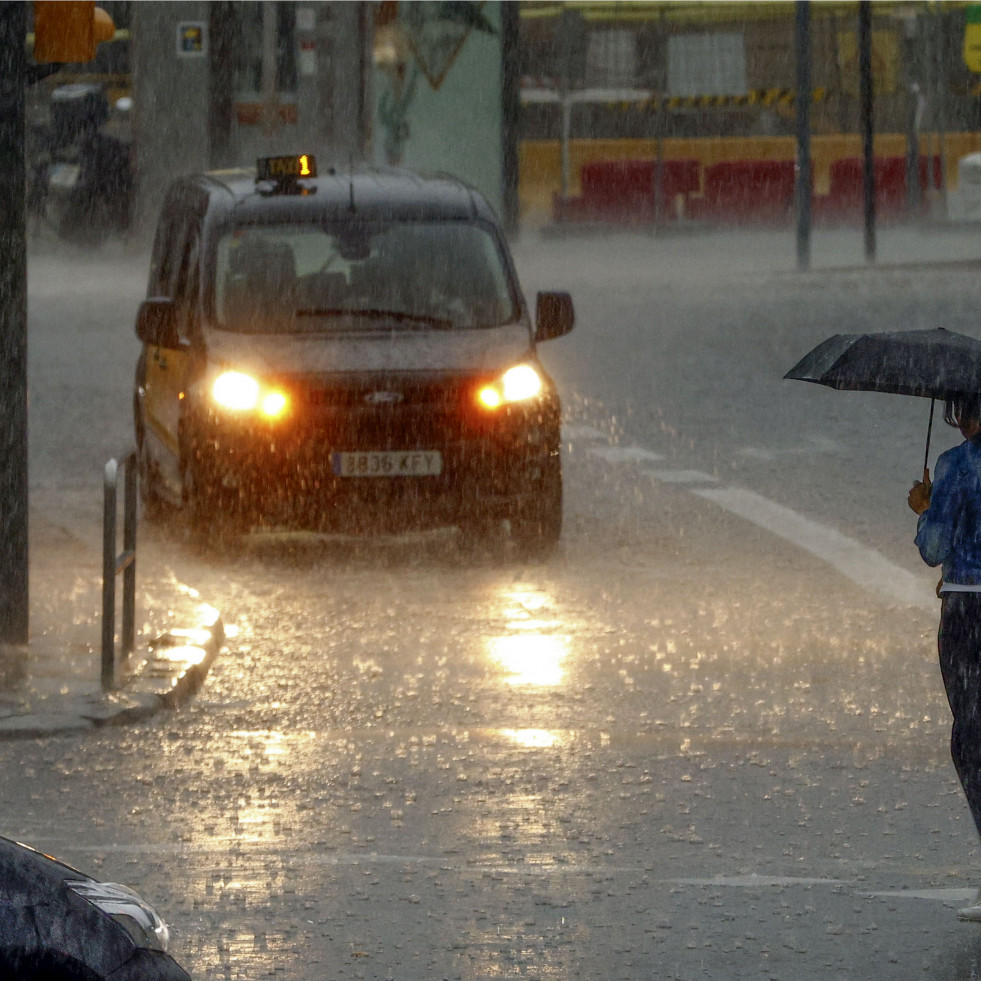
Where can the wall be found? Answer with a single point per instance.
(457, 126)
(170, 96)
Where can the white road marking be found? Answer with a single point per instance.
(682, 476)
(941, 895)
(859, 563)
(753, 881)
(862, 565)
(574, 431)
(624, 454)
(274, 846)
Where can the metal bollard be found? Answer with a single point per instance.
(113, 564)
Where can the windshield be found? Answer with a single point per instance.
(302, 278)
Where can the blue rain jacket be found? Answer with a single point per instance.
(949, 531)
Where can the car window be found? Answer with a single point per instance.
(167, 250)
(188, 280)
(403, 275)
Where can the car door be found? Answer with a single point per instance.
(167, 367)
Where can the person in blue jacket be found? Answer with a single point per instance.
(948, 534)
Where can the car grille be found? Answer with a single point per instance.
(388, 412)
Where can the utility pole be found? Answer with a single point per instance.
(510, 114)
(868, 128)
(13, 328)
(804, 182)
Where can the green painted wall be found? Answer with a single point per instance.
(457, 126)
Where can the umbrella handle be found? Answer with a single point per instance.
(926, 455)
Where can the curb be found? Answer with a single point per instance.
(173, 670)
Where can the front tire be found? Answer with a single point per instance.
(211, 509)
(154, 503)
(536, 525)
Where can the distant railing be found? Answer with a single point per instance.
(113, 564)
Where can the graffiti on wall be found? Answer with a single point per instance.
(416, 40)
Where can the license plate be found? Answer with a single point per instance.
(388, 463)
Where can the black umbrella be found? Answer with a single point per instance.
(933, 364)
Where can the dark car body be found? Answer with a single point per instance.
(382, 354)
(50, 930)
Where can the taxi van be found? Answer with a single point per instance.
(345, 352)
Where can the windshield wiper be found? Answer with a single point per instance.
(422, 320)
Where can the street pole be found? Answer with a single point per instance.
(804, 180)
(568, 31)
(510, 113)
(13, 329)
(865, 98)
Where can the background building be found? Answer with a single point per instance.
(716, 82)
(535, 102)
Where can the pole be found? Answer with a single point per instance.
(510, 113)
(926, 454)
(804, 180)
(566, 40)
(911, 78)
(109, 576)
(939, 32)
(866, 94)
(13, 329)
(660, 121)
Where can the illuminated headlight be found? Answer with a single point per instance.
(133, 914)
(242, 393)
(517, 384)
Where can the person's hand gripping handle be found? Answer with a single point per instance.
(919, 494)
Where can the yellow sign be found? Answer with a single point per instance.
(285, 168)
(885, 62)
(972, 37)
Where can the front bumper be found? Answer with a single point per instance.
(286, 473)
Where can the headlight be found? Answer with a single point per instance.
(517, 384)
(242, 393)
(137, 917)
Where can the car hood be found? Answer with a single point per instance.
(488, 349)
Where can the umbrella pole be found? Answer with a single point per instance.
(926, 456)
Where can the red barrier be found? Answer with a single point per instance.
(736, 191)
(742, 191)
(622, 191)
(845, 200)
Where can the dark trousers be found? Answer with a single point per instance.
(959, 643)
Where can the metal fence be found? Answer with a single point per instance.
(114, 563)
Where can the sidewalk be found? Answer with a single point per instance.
(52, 685)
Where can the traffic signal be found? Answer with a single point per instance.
(69, 31)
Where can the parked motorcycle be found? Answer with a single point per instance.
(81, 176)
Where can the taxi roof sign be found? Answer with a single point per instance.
(286, 169)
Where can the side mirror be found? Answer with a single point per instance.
(156, 322)
(554, 315)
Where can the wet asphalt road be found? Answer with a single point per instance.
(683, 748)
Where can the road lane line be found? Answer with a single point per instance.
(624, 454)
(859, 563)
(952, 896)
(184, 850)
(571, 431)
(682, 476)
(862, 565)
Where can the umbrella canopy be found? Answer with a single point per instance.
(935, 364)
